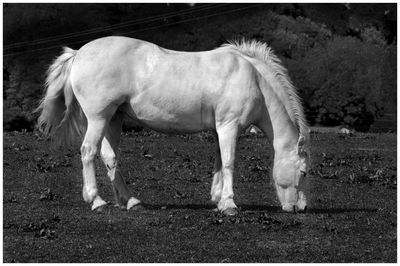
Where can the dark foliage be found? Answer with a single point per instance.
(342, 57)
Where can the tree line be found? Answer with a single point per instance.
(341, 58)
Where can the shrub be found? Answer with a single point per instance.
(345, 82)
(22, 91)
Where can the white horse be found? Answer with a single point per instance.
(223, 90)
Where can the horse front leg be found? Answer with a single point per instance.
(110, 154)
(216, 187)
(227, 135)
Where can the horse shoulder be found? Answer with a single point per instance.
(240, 96)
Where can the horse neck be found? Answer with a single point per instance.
(283, 133)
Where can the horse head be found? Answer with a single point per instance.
(290, 176)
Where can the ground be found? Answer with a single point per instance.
(351, 217)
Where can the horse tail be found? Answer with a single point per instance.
(61, 116)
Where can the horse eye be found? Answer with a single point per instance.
(303, 174)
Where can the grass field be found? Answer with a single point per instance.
(352, 215)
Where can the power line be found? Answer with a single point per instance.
(112, 27)
(202, 17)
(140, 30)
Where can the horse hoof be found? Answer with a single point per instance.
(132, 202)
(100, 209)
(230, 212)
(137, 207)
(98, 204)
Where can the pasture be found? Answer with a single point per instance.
(352, 215)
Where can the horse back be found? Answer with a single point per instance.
(175, 91)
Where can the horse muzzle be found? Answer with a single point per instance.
(300, 206)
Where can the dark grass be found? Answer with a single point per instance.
(351, 216)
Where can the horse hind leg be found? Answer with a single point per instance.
(110, 154)
(94, 134)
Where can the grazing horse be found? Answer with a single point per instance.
(90, 91)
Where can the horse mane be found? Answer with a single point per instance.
(264, 53)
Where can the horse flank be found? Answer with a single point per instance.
(262, 52)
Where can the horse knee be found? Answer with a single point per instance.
(227, 169)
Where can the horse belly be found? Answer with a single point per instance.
(171, 114)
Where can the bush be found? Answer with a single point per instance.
(23, 87)
(345, 82)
